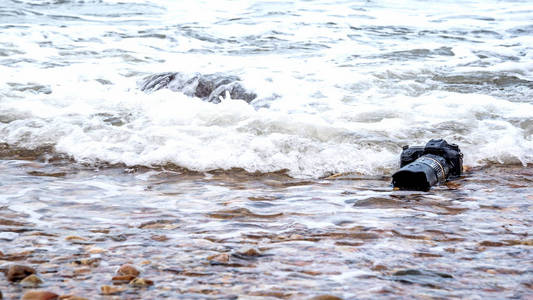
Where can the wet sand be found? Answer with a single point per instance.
(234, 235)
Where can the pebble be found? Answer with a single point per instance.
(128, 270)
(251, 252)
(221, 258)
(119, 279)
(39, 295)
(31, 281)
(159, 224)
(71, 297)
(379, 268)
(75, 238)
(141, 282)
(19, 272)
(159, 238)
(92, 262)
(95, 250)
(111, 290)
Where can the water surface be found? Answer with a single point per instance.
(237, 200)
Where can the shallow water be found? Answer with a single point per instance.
(96, 173)
(352, 237)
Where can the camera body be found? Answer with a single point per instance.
(424, 166)
(440, 147)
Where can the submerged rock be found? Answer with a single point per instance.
(120, 279)
(141, 282)
(111, 290)
(425, 278)
(40, 295)
(19, 272)
(207, 87)
(250, 252)
(128, 270)
(31, 281)
(219, 258)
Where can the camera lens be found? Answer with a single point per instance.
(421, 174)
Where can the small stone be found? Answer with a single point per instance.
(141, 282)
(111, 290)
(120, 279)
(75, 238)
(128, 270)
(31, 281)
(92, 262)
(160, 238)
(159, 224)
(100, 230)
(39, 295)
(326, 297)
(251, 252)
(118, 237)
(95, 250)
(71, 297)
(19, 272)
(379, 268)
(220, 258)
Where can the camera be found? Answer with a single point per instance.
(424, 166)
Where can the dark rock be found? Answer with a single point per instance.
(159, 224)
(173, 270)
(118, 238)
(39, 295)
(157, 81)
(426, 278)
(19, 272)
(1, 295)
(414, 272)
(207, 87)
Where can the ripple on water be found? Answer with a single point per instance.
(197, 243)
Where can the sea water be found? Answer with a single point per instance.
(341, 86)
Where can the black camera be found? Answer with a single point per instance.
(424, 166)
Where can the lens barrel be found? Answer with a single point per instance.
(421, 174)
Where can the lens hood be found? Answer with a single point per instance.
(421, 174)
